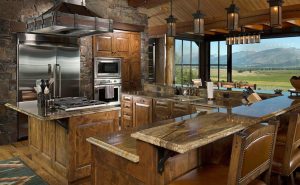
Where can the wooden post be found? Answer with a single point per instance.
(170, 55)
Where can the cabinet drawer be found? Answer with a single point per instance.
(144, 101)
(126, 105)
(181, 106)
(126, 98)
(127, 122)
(126, 111)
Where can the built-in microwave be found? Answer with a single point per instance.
(107, 67)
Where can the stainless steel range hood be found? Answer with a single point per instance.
(69, 18)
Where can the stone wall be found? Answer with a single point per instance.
(14, 12)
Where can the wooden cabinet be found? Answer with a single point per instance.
(180, 109)
(126, 45)
(161, 110)
(142, 111)
(112, 45)
(60, 146)
(103, 45)
(126, 112)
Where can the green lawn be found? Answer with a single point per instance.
(265, 79)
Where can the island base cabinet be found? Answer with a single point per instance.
(60, 146)
(108, 168)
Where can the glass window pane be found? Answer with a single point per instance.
(186, 77)
(178, 51)
(214, 73)
(269, 64)
(178, 76)
(223, 52)
(186, 52)
(214, 52)
(195, 53)
(195, 72)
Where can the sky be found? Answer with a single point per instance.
(287, 42)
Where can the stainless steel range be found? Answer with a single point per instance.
(77, 103)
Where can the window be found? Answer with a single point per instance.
(218, 61)
(186, 61)
(269, 64)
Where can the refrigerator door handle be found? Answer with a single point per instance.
(59, 82)
(55, 80)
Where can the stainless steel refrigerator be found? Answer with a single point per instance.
(43, 57)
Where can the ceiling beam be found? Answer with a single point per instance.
(294, 22)
(146, 3)
(291, 12)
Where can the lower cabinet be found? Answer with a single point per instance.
(162, 110)
(138, 111)
(142, 111)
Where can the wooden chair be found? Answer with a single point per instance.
(287, 148)
(251, 157)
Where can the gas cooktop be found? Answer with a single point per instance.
(77, 103)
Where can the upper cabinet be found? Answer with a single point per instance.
(118, 44)
(126, 45)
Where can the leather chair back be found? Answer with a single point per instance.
(292, 143)
(252, 154)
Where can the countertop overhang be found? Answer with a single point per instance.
(31, 108)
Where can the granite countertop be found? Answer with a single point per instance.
(187, 135)
(31, 108)
(122, 144)
(192, 131)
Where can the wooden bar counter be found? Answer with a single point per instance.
(158, 153)
(57, 140)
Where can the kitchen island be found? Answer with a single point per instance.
(57, 139)
(157, 153)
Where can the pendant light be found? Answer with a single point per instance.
(233, 17)
(198, 21)
(171, 22)
(275, 13)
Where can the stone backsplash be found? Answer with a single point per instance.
(14, 12)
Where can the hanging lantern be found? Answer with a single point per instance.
(171, 21)
(198, 21)
(276, 13)
(232, 17)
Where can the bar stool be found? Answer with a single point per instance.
(251, 157)
(287, 151)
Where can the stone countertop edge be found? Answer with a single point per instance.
(63, 114)
(183, 148)
(113, 149)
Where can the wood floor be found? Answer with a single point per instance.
(21, 150)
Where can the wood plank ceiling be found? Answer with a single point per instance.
(254, 14)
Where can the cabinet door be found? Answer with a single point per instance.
(135, 75)
(180, 109)
(103, 45)
(142, 111)
(161, 110)
(121, 44)
(135, 46)
(125, 71)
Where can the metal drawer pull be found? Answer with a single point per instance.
(142, 105)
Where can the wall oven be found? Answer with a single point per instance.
(107, 67)
(104, 86)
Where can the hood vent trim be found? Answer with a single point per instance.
(69, 19)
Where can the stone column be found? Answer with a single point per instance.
(170, 54)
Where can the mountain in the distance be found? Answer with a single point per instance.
(272, 58)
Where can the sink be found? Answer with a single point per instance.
(186, 98)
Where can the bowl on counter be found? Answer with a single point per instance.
(295, 81)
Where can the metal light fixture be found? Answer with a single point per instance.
(198, 21)
(171, 22)
(243, 37)
(276, 13)
(233, 17)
